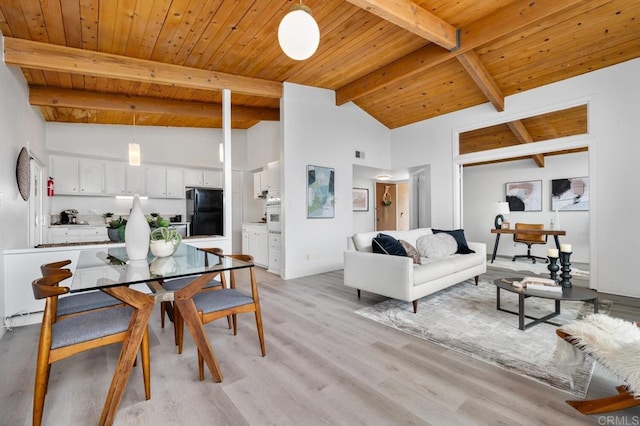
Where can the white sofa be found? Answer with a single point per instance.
(398, 277)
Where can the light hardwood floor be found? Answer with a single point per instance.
(324, 365)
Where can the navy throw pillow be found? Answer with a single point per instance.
(458, 234)
(386, 244)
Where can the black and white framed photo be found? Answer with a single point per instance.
(360, 200)
(570, 194)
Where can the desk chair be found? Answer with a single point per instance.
(62, 338)
(212, 305)
(177, 284)
(529, 240)
(80, 302)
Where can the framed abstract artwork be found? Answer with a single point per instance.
(321, 197)
(524, 196)
(571, 194)
(360, 200)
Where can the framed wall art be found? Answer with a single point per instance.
(360, 200)
(524, 196)
(571, 194)
(320, 192)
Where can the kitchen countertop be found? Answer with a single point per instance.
(97, 225)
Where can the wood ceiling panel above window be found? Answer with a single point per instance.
(553, 125)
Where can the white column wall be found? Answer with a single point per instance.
(317, 132)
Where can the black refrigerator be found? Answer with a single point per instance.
(204, 211)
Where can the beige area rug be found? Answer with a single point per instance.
(538, 268)
(464, 318)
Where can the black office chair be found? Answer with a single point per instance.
(529, 240)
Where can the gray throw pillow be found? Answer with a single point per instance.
(412, 252)
(436, 245)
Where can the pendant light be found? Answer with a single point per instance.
(134, 148)
(298, 33)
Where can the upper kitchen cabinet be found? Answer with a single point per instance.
(175, 183)
(115, 178)
(203, 178)
(273, 176)
(260, 184)
(136, 180)
(73, 176)
(163, 182)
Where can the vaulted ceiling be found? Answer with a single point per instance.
(98, 61)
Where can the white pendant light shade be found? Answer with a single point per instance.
(134, 154)
(298, 33)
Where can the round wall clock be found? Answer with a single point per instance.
(22, 173)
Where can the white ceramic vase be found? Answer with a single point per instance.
(136, 234)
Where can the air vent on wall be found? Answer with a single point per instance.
(360, 154)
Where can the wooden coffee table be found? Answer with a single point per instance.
(579, 294)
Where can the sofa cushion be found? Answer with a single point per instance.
(458, 234)
(432, 269)
(412, 252)
(386, 244)
(467, 261)
(436, 245)
(363, 240)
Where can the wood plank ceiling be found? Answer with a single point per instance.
(374, 53)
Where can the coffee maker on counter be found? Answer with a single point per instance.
(69, 217)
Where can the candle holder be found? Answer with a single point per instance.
(553, 268)
(566, 269)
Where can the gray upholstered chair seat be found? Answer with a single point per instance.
(85, 302)
(212, 301)
(90, 326)
(178, 283)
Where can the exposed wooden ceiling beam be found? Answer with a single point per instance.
(523, 136)
(42, 96)
(51, 57)
(476, 69)
(414, 18)
(508, 19)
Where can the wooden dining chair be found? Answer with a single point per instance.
(225, 302)
(529, 240)
(167, 308)
(80, 302)
(62, 338)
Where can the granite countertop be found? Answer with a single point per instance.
(93, 243)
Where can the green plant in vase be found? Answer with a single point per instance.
(164, 241)
(115, 229)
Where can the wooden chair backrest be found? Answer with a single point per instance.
(48, 286)
(249, 259)
(52, 267)
(528, 238)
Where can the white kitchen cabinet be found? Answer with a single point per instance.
(76, 234)
(175, 183)
(273, 176)
(156, 178)
(136, 180)
(193, 177)
(115, 178)
(255, 241)
(274, 252)
(91, 177)
(94, 234)
(213, 178)
(64, 171)
(260, 184)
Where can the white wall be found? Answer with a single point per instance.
(365, 221)
(317, 132)
(613, 94)
(484, 185)
(20, 125)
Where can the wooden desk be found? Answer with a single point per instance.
(498, 232)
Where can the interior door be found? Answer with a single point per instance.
(386, 206)
(403, 205)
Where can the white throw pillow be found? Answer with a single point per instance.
(436, 245)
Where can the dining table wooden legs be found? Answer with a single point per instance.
(143, 307)
(183, 301)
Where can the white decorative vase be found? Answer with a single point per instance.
(136, 234)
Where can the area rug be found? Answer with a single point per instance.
(464, 318)
(536, 268)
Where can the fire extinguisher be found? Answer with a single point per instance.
(50, 187)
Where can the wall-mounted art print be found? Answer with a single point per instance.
(320, 192)
(524, 196)
(570, 194)
(360, 200)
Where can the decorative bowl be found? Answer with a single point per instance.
(162, 248)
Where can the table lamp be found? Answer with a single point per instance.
(500, 208)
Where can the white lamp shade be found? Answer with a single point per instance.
(501, 207)
(298, 35)
(134, 154)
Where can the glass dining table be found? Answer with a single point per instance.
(111, 271)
